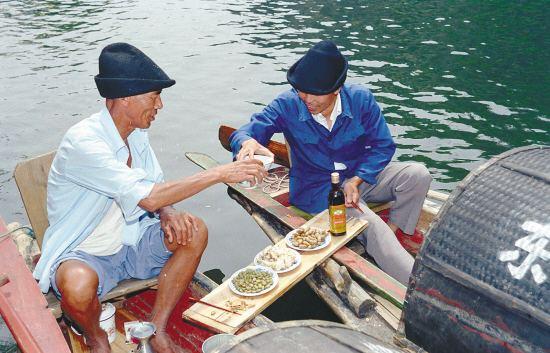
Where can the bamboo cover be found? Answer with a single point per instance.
(481, 282)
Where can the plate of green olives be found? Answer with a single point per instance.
(253, 281)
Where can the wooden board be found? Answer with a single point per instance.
(23, 306)
(222, 321)
(31, 177)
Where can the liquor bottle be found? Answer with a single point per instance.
(336, 207)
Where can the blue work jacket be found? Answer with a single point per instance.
(360, 139)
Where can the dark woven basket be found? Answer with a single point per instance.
(468, 292)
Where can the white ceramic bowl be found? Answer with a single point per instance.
(273, 274)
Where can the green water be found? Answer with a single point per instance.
(459, 81)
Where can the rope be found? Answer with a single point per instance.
(274, 183)
(28, 229)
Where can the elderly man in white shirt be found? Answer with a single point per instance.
(104, 184)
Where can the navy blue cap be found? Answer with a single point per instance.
(321, 71)
(125, 71)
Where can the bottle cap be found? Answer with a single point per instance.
(334, 178)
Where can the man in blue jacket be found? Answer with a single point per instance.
(331, 126)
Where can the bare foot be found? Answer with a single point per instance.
(161, 342)
(99, 344)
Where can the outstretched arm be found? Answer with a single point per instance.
(252, 137)
(251, 147)
(171, 192)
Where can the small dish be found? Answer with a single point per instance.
(288, 239)
(273, 274)
(296, 263)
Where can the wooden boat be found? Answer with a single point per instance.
(276, 217)
(31, 324)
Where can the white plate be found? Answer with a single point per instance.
(273, 274)
(289, 236)
(297, 261)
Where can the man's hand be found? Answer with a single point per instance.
(251, 147)
(180, 227)
(351, 191)
(251, 170)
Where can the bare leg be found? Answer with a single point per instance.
(77, 283)
(173, 280)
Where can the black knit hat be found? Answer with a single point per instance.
(321, 71)
(125, 71)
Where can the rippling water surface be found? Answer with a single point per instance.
(458, 82)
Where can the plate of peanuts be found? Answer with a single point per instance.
(308, 239)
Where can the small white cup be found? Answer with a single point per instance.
(106, 322)
(266, 160)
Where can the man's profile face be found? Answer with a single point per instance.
(318, 104)
(143, 108)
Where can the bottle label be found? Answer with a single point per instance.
(337, 219)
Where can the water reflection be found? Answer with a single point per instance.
(458, 83)
(442, 76)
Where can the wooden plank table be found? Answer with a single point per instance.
(222, 321)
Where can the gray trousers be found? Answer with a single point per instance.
(406, 184)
